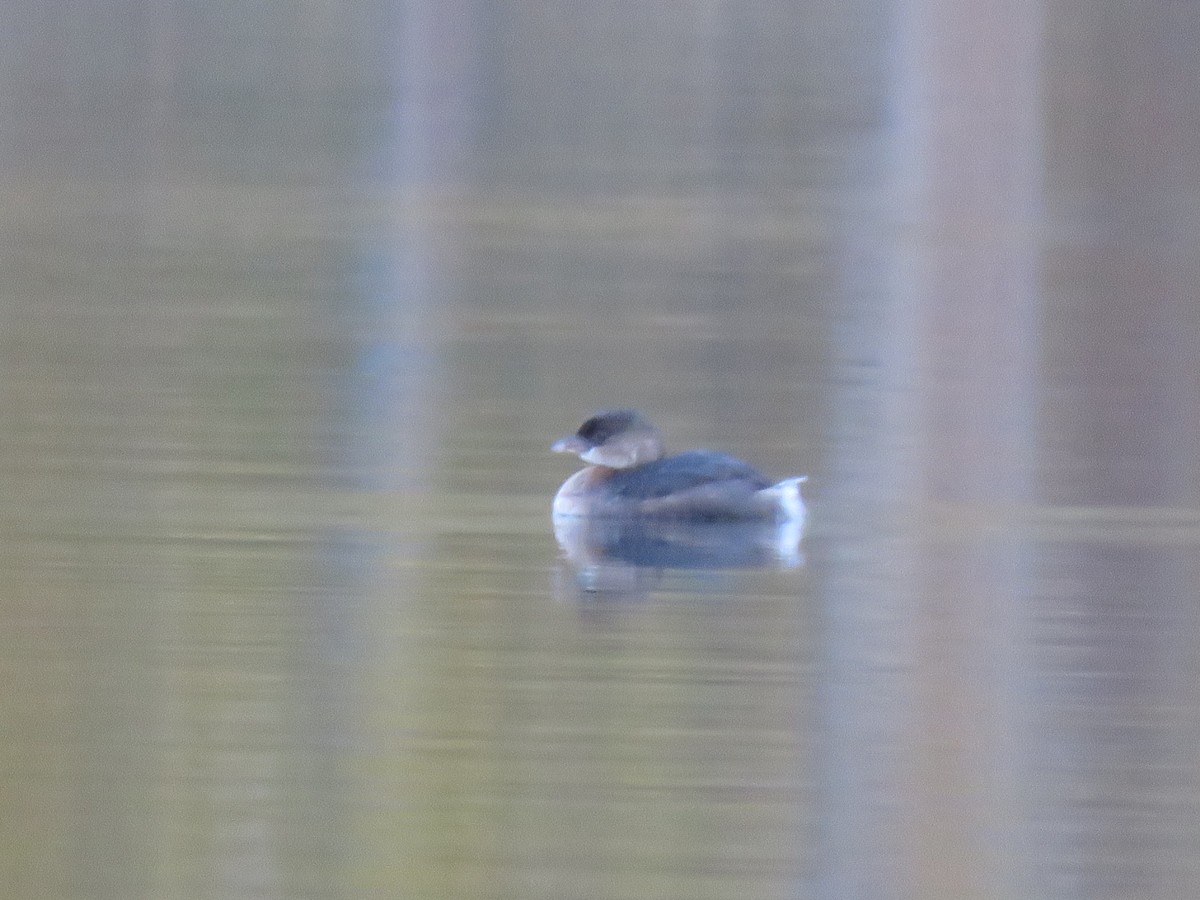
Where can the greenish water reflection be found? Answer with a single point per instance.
(292, 307)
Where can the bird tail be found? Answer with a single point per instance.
(787, 499)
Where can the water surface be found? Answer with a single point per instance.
(294, 302)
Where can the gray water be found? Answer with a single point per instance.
(295, 298)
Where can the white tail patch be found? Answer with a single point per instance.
(787, 499)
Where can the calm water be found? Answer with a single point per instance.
(295, 298)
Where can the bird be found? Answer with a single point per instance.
(630, 475)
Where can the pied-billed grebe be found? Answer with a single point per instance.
(630, 476)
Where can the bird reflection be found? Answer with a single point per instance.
(627, 555)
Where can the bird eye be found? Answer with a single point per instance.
(590, 429)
